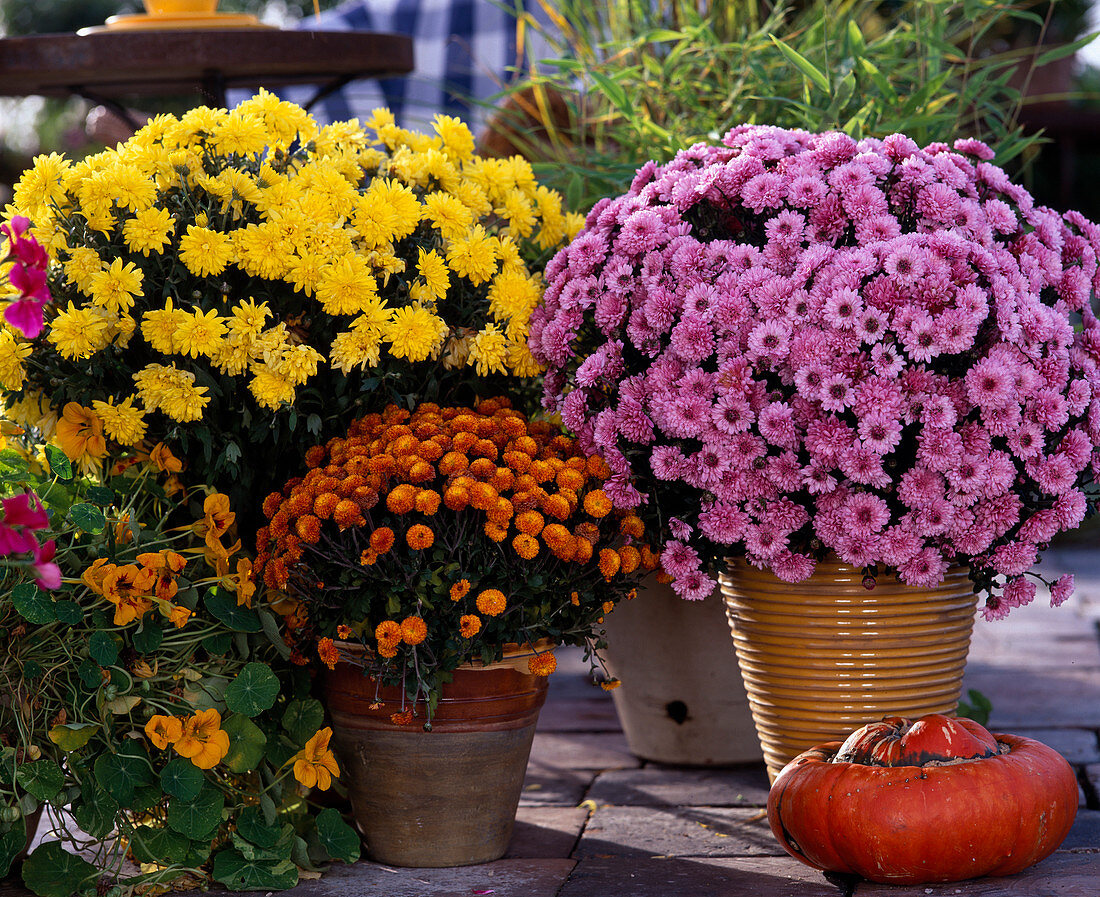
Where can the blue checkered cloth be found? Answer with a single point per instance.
(462, 49)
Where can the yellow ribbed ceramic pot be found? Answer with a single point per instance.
(823, 657)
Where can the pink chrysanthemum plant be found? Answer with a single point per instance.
(795, 343)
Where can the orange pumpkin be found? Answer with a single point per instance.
(934, 800)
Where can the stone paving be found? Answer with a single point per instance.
(594, 821)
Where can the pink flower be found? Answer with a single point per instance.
(678, 558)
(1061, 590)
(865, 514)
(926, 568)
(694, 586)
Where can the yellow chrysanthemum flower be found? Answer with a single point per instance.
(447, 214)
(433, 269)
(159, 327)
(124, 423)
(249, 318)
(116, 287)
(79, 332)
(346, 286)
(262, 250)
(41, 185)
(296, 363)
(473, 256)
(199, 333)
(489, 351)
(458, 141)
(512, 297)
(205, 251)
(520, 360)
(13, 352)
(168, 389)
(404, 204)
(240, 133)
(131, 188)
(270, 389)
(356, 348)
(374, 218)
(148, 231)
(414, 333)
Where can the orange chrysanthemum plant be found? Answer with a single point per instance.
(437, 537)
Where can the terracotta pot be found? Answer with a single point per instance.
(823, 657)
(445, 797)
(681, 701)
(176, 7)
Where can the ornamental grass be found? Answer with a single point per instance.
(243, 280)
(435, 538)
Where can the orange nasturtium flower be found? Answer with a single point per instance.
(178, 615)
(127, 588)
(161, 456)
(203, 741)
(80, 434)
(315, 764)
(217, 518)
(165, 565)
(163, 730)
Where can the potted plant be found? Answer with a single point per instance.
(238, 281)
(432, 560)
(635, 82)
(851, 364)
(141, 699)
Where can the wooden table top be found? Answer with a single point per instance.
(114, 64)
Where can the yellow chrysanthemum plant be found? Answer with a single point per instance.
(434, 538)
(145, 696)
(234, 280)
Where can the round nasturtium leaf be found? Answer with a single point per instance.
(253, 691)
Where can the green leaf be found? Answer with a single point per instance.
(240, 874)
(271, 630)
(87, 517)
(803, 64)
(336, 836)
(246, 743)
(252, 826)
(268, 806)
(977, 707)
(217, 644)
(90, 673)
(12, 843)
(42, 778)
(253, 691)
(34, 605)
(95, 811)
(197, 818)
(103, 649)
(60, 465)
(147, 639)
(72, 736)
(68, 611)
(101, 495)
(51, 871)
(159, 845)
(1065, 50)
(14, 461)
(222, 604)
(181, 778)
(121, 774)
(302, 719)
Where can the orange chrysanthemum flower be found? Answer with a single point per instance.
(630, 557)
(402, 498)
(482, 469)
(650, 560)
(527, 547)
(587, 530)
(610, 684)
(631, 525)
(453, 463)
(388, 632)
(343, 631)
(491, 602)
(271, 504)
(503, 479)
(421, 471)
(556, 536)
(403, 718)
(482, 496)
(582, 551)
(597, 504)
(299, 503)
(456, 498)
(381, 540)
(326, 650)
(557, 506)
(324, 504)
(495, 531)
(520, 462)
(568, 478)
(541, 471)
(308, 529)
(530, 522)
(413, 630)
(501, 512)
(314, 456)
(460, 589)
(610, 563)
(525, 444)
(419, 537)
(387, 649)
(368, 558)
(347, 514)
(469, 625)
(542, 664)
(427, 501)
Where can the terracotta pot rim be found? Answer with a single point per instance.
(515, 655)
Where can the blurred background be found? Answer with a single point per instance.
(1062, 98)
